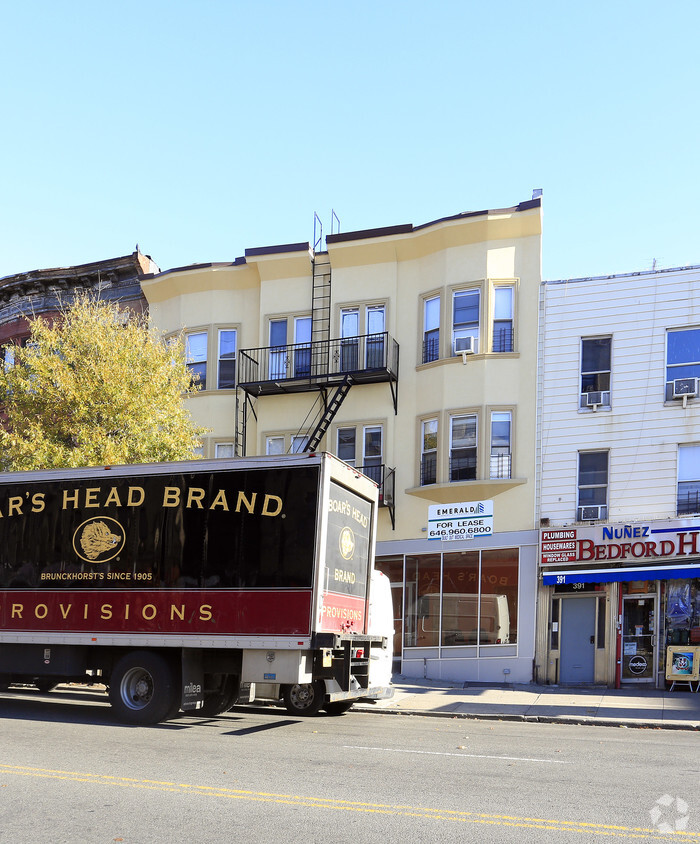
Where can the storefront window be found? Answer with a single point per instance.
(499, 597)
(471, 599)
(682, 610)
(460, 597)
(422, 601)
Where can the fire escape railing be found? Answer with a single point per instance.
(367, 358)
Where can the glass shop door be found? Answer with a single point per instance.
(638, 639)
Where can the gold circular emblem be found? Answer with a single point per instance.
(99, 539)
(347, 543)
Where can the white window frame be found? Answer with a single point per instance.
(279, 357)
(226, 356)
(689, 475)
(503, 319)
(689, 368)
(194, 361)
(501, 463)
(275, 444)
(462, 330)
(429, 452)
(302, 346)
(464, 418)
(602, 377)
(583, 505)
(220, 448)
(350, 460)
(430, 349)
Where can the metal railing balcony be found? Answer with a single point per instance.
(384, 477)
(300, 367)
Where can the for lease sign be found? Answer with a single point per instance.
(463, 520)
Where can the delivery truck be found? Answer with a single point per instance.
(173, 583)
(381, 624)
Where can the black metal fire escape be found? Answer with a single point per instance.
(329, 367)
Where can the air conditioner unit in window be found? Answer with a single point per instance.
(685, 388)
(596, 398)
(591, 513)
(465, 345)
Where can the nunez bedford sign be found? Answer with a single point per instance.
(645, 543)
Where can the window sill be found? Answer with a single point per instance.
(458, 359)
(479, 490)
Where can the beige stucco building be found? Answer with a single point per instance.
(410, 351)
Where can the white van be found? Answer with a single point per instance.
(381, 623)
(462, 616)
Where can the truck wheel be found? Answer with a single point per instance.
(217, 702)
(338, 707)
(142, 689)
(45, 684)
(304, 698)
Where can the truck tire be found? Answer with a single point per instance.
(143, 689)
(338, 707)
(304, 698)
(221, 700)
(45, 684)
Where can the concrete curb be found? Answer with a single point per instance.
(574, 720)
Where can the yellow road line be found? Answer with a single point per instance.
(555, 825)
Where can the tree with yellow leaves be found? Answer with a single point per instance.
(95, 386)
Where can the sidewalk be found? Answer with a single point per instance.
(653, 708)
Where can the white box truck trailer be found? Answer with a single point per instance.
(173, 583)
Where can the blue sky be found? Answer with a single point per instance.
(199, 129)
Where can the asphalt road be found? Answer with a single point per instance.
(69, 773)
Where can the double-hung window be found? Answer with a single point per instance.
(196, 350)
(688, 497)
(503, 319)
(428, 457)
(595, 372)
(375, 348)
(465, 321)
(346, 445)
(224, 450)
(682, 362)
(592, 485)
(372, 452)
(501, 456)
(274, 445)
(431, 329)
(279, 352)
(350, 342)
(227, 359)
(463, 448)
(370, 461)
(302, 347)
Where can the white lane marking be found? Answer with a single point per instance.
(464, 755)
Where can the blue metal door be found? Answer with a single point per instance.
(577, 655)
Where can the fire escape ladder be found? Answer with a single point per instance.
(330, 409)
(245, 405)
(320, 314)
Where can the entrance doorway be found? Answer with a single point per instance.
(577, 643)
(638, 639)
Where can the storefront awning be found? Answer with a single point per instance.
(601, 575)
